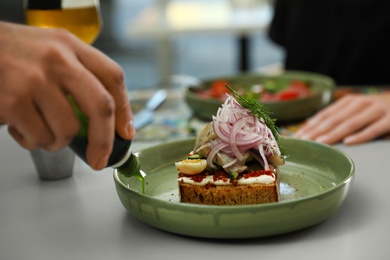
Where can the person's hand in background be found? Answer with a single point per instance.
(353, 119)
(39, 68)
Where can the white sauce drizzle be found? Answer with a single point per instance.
(262, 179)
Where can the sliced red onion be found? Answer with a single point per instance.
(238, 131)
(216, 148)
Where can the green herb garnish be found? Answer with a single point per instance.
(259, 111)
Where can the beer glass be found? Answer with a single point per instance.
(80, 17)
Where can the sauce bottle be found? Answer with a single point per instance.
(121, 158)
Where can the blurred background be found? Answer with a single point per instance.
(158, 41)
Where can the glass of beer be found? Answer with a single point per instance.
(80, 17)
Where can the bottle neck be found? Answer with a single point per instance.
(131, 167)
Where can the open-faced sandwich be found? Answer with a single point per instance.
(235, 158)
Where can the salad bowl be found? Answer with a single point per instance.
(291, 108)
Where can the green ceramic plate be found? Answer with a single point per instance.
(284, 111)
(314, 183)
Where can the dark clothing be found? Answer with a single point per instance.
(348, 40)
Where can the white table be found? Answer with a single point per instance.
(82, 218)
(167, 19)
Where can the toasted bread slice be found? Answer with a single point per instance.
(230, 194)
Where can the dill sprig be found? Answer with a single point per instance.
(259, 111)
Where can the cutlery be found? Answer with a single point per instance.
(145, 116)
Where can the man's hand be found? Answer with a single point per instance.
(38, 69)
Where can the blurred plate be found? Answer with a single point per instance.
(314, 184)
(284, 111)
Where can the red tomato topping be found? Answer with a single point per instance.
(198, 177)
(257, 173)
(220, 176)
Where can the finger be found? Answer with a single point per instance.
(327, 119)
(332, 110)
(316, 123)
(111, 76)
(322, 125)
(58, 116)
(28, 128)
(19, 138)
(98, 105)
(336, 134)
(351, 124)
(371, 132)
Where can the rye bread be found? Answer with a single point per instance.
(230, 194)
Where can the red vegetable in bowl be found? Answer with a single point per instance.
(270, 90)
(294, 90)
(219, 89)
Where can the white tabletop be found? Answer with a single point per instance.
(82, 218)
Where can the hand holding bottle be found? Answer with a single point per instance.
(39, 69)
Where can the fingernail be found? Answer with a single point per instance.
(130, 129)
(100, 163)
(310, 122)
(349, 140)
(322, 139)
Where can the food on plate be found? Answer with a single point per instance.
(235, 158)
(267, 90)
